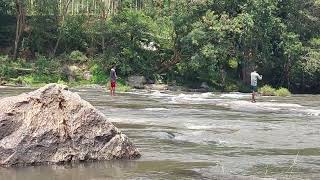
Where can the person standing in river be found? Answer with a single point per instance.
(113, 79)
(254, 82)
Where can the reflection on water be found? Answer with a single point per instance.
(200, 136)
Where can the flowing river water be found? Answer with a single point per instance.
(199, 136)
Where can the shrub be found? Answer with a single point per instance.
(43, 65)
(267, 90)
(98, 74)
(230, 87)
(121, 87)
(4, 59)
(283, 92)
(233, 63)
(36, 79)
(78, 57)
(244, 88)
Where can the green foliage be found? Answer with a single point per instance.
(283, 92)
(267, 90)
(187, 42)
(231, 87)
(233, 63)
(73, 31)
(122, 87)
(78, 57)
(4, 59)
(98, 75)
(6, 7)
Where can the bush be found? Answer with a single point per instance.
(37, 80)
(78, 57)
(244, 88)
(267, 90)
(230, 87)
(98, 75)
(4, 59)
(283, 92)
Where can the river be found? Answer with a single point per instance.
(199, 136)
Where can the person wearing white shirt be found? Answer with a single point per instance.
(254, 82)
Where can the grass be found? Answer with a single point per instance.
(121, 86)
(270, 91)
(34, 80)
(283, 92)
(267, 90)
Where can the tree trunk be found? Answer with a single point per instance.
(65, 10)
(87, 7)
(82, 6)
(288, 67)
(19, 26)
(103, 44)
(72, 7)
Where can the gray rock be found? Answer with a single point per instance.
(159, 87)
(137, 81)
(71, 72)
(54, 125)
(87, 75)
(177, 88)
(204, 85)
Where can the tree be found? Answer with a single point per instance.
(20, 15)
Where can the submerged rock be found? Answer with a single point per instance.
(54, 125)
(158, 87)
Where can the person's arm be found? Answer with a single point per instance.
(259, 77)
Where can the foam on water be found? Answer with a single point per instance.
(232, 101)
(156, 109)
(198, 127)
(269, 107)
(159, 94)
(235, 95)
(198, 137)
(192, 98)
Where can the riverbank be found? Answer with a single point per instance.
(82, 71)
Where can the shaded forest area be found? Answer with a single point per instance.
(183, 42)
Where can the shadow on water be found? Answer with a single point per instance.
(107, 170)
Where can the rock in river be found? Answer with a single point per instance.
(54, 125)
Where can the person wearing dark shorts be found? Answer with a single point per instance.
(113, 79)
(254, 88)
(254, 82)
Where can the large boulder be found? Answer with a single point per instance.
(54, 125)
(137, 81)
(204, 85)
(71, 72)
(87, 75)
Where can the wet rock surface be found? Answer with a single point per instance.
(137, 81)
(54, 125)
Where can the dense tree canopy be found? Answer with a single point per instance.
(182, 41)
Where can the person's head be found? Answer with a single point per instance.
(114, 67)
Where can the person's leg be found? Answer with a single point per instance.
(113, 90)
(254, 91)
(253, 96)
(110, 88)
